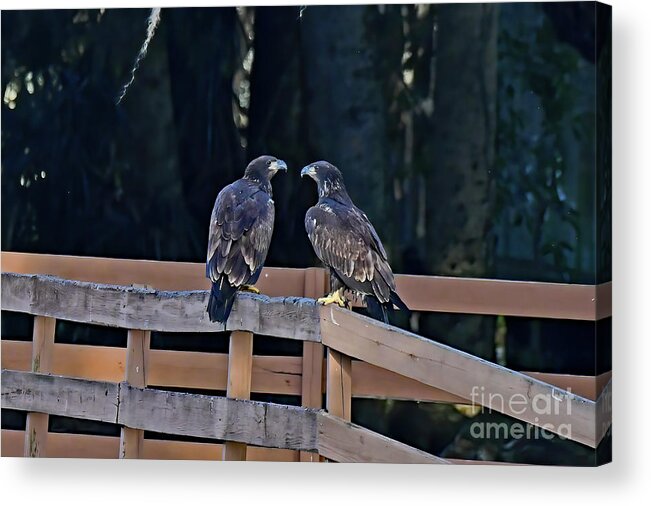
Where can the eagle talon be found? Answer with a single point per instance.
(249, 288)
(333, 298)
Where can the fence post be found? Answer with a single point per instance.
(42, 350)
(338, 384)
(312, 364)
(240, 364)
(138, 341)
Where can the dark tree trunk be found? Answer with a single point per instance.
(276, 127)
(459, 194)
(209, 148)
(346, 113)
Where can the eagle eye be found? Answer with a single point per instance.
(268, 163)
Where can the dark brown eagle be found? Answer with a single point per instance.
(241, 226)
(346, 242)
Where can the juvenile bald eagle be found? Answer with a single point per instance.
(346, 242)
(241, 226)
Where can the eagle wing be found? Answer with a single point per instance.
(344, 240)
(241, 227)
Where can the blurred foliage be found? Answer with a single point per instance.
(138, 180)
(546, 127)
(73, 181)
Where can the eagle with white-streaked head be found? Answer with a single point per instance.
(345, 241)
(241, 226)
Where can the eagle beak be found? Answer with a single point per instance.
(278, 165)
(308, 170)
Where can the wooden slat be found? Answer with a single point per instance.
(240, 365)
(502, 297)
(589, 387)
(64, 445)
(258, 423)
(103, 363)
(338, 384)
(60, 395)
(604, 411)
(173, 276)
(271, 374)
(460, 373)
(145, 309)
(604, 300)
(312, 361)
(138, 341)
(250, 422)
(420, 293)
(311, 385)
(106, 447)
(342, 441)
(372, 382)
(35, 444)
(181, 450)
(171, 368)
(312, 376)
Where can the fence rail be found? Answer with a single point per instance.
(280, 375)
(363, 358)
(356, 336)
(254, 423)
(420, 293)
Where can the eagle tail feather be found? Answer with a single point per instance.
(376, 310)
(380, 311)
(220, 303)
(395, 299)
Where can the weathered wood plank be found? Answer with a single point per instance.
(312, 388)
(106, 447)
(171, 368)
(604, 411)
(147, 309)
(102, 363)
(589, 387)
(138, 341)
(240, 365)
(58, 395)
(271, 374)
(250, 422)
(342, 441)
(372, 382)
(261, 424)
(338, 384)
(312, 362)
(162, 275)
(35, 444)
(460, 373)
(604, 300)
(504, 297)
(420, 293)
(312, 385)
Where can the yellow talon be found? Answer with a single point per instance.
(333, 298)
(249, 288)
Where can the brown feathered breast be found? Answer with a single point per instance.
(346, 242)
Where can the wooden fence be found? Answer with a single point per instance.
(345, 355)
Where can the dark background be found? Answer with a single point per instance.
(475, 137)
